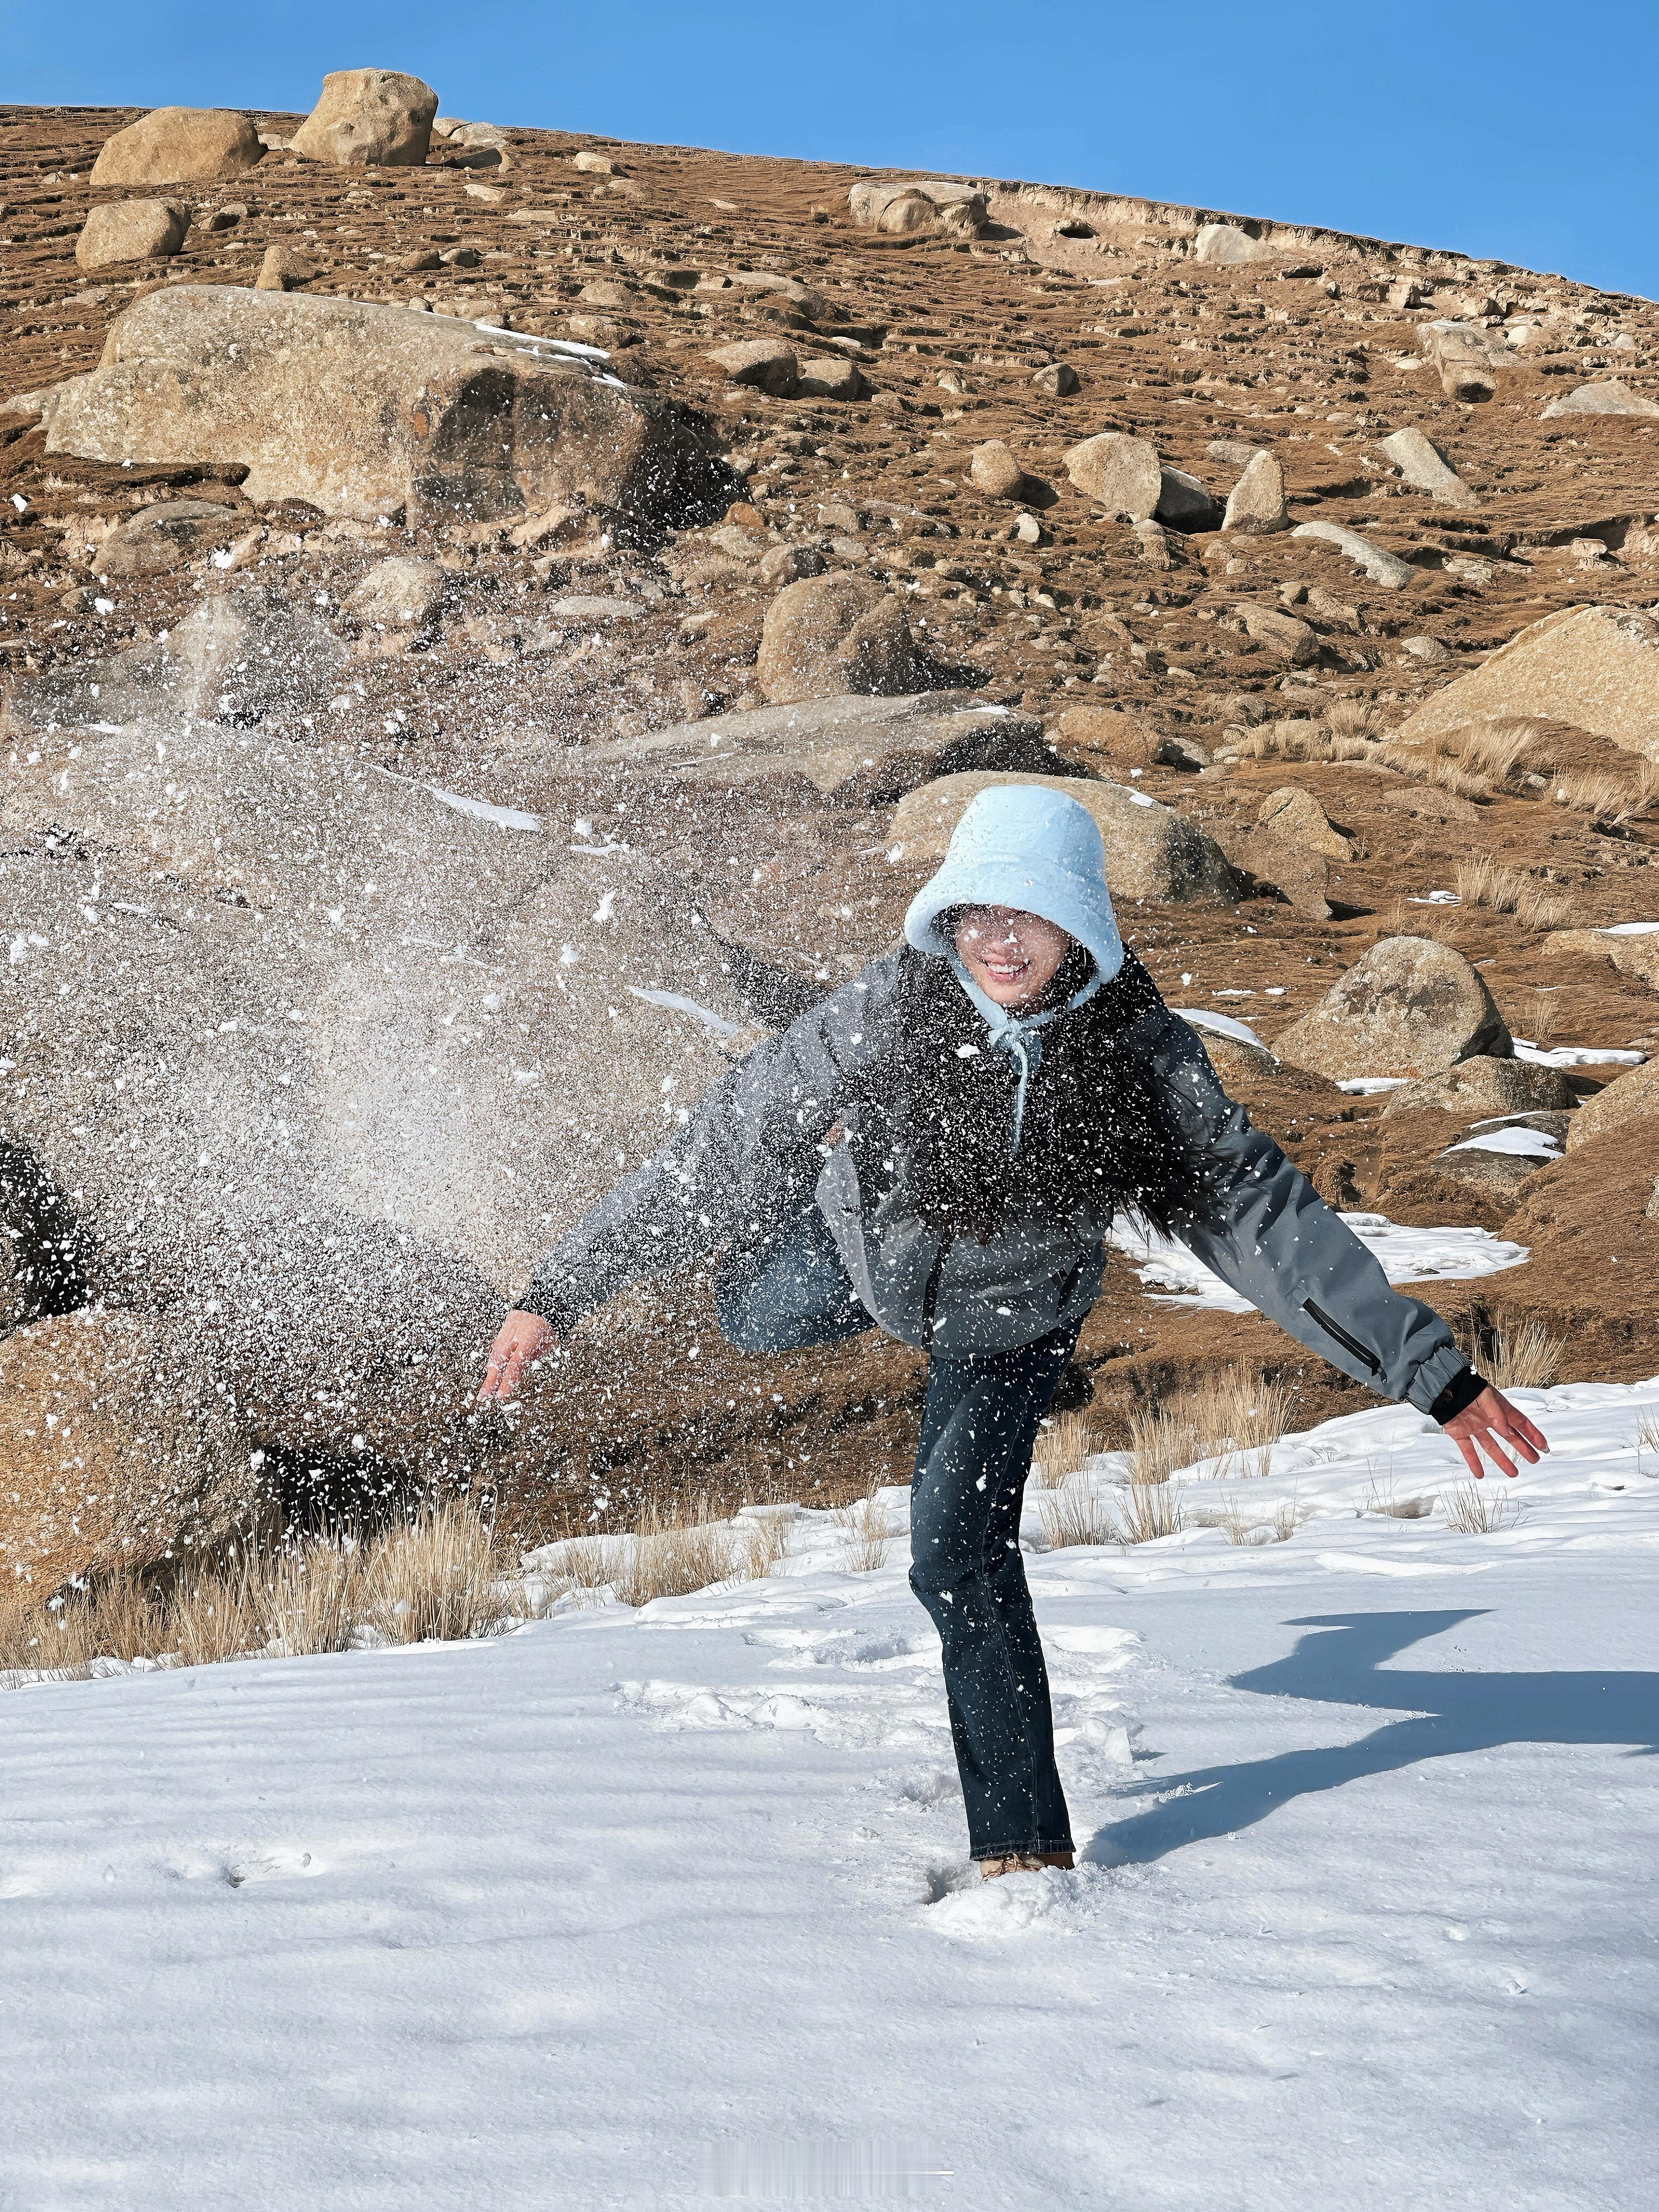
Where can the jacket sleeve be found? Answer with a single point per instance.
(1263, 1229)
(748, 1155)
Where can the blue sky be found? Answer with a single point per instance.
(1503, 127)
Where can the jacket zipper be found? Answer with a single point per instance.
(1349, 1343)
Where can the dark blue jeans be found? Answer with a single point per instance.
(978, 1425)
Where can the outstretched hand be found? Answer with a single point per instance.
(1489, 1424)
(521, 1339)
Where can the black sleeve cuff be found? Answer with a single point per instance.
(1462, 1391)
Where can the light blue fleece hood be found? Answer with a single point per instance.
(1026, 845)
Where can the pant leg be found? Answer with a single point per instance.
(979, 1425)
(792, 1293)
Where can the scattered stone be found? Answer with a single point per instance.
(365, 410)
(1028, 530)
(1154, 550)
(1152, 851)
(1608, 398)
(1485, 1086)
(831, 376)
(1597, 667)
(1289, 640)
(1433, 652)
(595, 165)
(1225, 245)
(1057, 381)
(992, 469)
(1120, 473)
(282, 269)
(131, 230)
(166, 536)
(1184, 504)
(1501, 1158)
(1185, 753)
(1426, 468)
(178, 146)
(1297, 874)
(788, 564)
(1385, 569)
(1409, 1006)
(833, 634)
(398, 594)
(1232, 450)
(368, 117)
(1630, 1097)
(1292, 811)
(1255, 504)
(767, 363)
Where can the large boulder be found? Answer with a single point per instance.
(833, 634)
(1124, 476)
(248, 654)
(768, 364)
(1409, 1006)
(901, 206)
(1294, 813)
(166, 535)
(1597, 667)
(1384, 568)
(1255, 505)
(109, 1462)
(178, 146)
(362, 410)
(854, 751)
(1120, 473)
(1610, 397)
(1423, 467)
(1633, 947)
(1152, 851)
(1485, 1086)
(369, 116)
(1468, 356)
(1225, 246)
(131, 230)
(1630, 1097)
(992, 469)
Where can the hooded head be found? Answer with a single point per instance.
(1031, 848)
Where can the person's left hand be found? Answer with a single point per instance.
(1489, 1424)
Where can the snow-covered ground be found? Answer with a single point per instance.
(627, 1910)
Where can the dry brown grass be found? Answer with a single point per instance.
(444, 1575)
(1525, 1356)
(1145, 1511)
(1065, 1444)
(866, 1533)
(1483, 881)
(1233, 1416)
(1647, 1443)
(1302, 740)
(1382, 1498)
(1356, 718)
(1076, 1512)
(1481, 1508)
(1605, 797)
(677, 1550)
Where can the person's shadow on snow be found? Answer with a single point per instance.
(1449, 1713)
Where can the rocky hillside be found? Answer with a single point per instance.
(490, 618)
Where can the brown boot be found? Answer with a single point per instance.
(1025, 1862)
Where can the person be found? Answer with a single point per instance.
(937, 1149)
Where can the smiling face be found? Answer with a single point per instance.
(1012, 957)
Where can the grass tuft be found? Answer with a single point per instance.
(1481, 1508)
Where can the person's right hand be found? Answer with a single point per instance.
(521, 1338)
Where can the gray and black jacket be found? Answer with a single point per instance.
(754, 1157)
